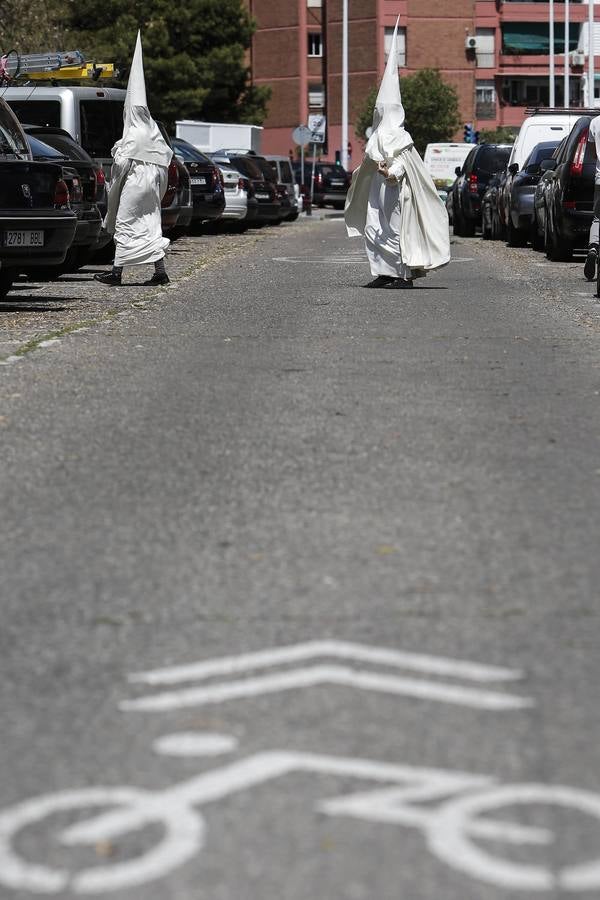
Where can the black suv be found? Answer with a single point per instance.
(37, 224)
(564, 197)
(484, 161)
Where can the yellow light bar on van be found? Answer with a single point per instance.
(91, 71)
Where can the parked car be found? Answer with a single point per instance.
(490, 223)
(283, 174)
(270, 174)
(208, 195)
(541, 125)
(240, 203)
(482, 163)
(91, 207)
(331, 183)
(566, 190)
(93, 116)
(519, 190)
(176, 206)
(441, 161)
(539, 204)
(37, 224)
(268, 208)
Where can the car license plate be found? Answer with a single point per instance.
(23, 239)
(263, 196)
(337, 184)
(198, 180)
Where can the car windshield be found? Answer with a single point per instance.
(190, 153)
(266, 167)
(40, 150)
(542, 151)
(101, 125)
(11, 135)
(332, 171)
(65, 145)
(247, 167)
(492, 159)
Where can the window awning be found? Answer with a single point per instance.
(534, 37)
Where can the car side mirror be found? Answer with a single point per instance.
(547, 165)
(457, 170)
(533, 169)
(513, 168)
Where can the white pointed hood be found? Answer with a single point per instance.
(389, 135)
(141, 139)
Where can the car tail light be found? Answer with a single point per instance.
(100, 181)
(172, 184)
(76, 191)
(472, 184)
(319, 179)
(577, 164)
(61, 195)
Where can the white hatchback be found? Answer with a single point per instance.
(236, 194)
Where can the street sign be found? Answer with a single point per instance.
(317, 125)
(302, 135)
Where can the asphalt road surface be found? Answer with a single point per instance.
(300, 587)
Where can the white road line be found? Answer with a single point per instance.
(316, 675)
(190, 743)
(293, 653)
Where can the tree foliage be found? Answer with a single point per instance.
(431, 105)
(502, 135)
(31, 26)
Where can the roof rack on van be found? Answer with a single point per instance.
(560, 110)
(70, 65)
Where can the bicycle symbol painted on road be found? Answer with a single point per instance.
(454, 811)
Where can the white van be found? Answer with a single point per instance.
(91, 115)
(441, 161)
(545, 125)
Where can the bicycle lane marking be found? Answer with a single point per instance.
(317, 674)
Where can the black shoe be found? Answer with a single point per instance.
(157, 279)
(398, 284)
(589, 269)
(379, 282)
(108, 278)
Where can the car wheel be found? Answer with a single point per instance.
(6, 282)
(557, 250)
(537, 240)
(514, 236)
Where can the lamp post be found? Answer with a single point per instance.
(567, 72)
(344, 155)
(551, 74)
(591, 60)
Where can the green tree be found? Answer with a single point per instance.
(431, 105)
(31, 26)
(194, 53)
(503, 135)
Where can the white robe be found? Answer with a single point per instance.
(134, 211)
(412, 233)
(382, 229)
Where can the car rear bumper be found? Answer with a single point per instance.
(208, 207)
(88, 228)
(59, 230)
(268, 212)
(336, 198)
(576, 225)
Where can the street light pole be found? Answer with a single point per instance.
(552, 84)
(591, 60)
(344, 154)
(567, 97)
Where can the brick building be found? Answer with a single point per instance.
(297, 50)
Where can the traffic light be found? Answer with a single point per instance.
(475, 137)
(468, 133)
(338, 157)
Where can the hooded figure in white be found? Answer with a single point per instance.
(392, 200)
(139, 180)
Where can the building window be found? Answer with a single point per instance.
(532, 38)
(316, 96)
(314, 2)
(486, 48)
(485, 100)
(387, 43)
(315, 43)
(534, 91)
